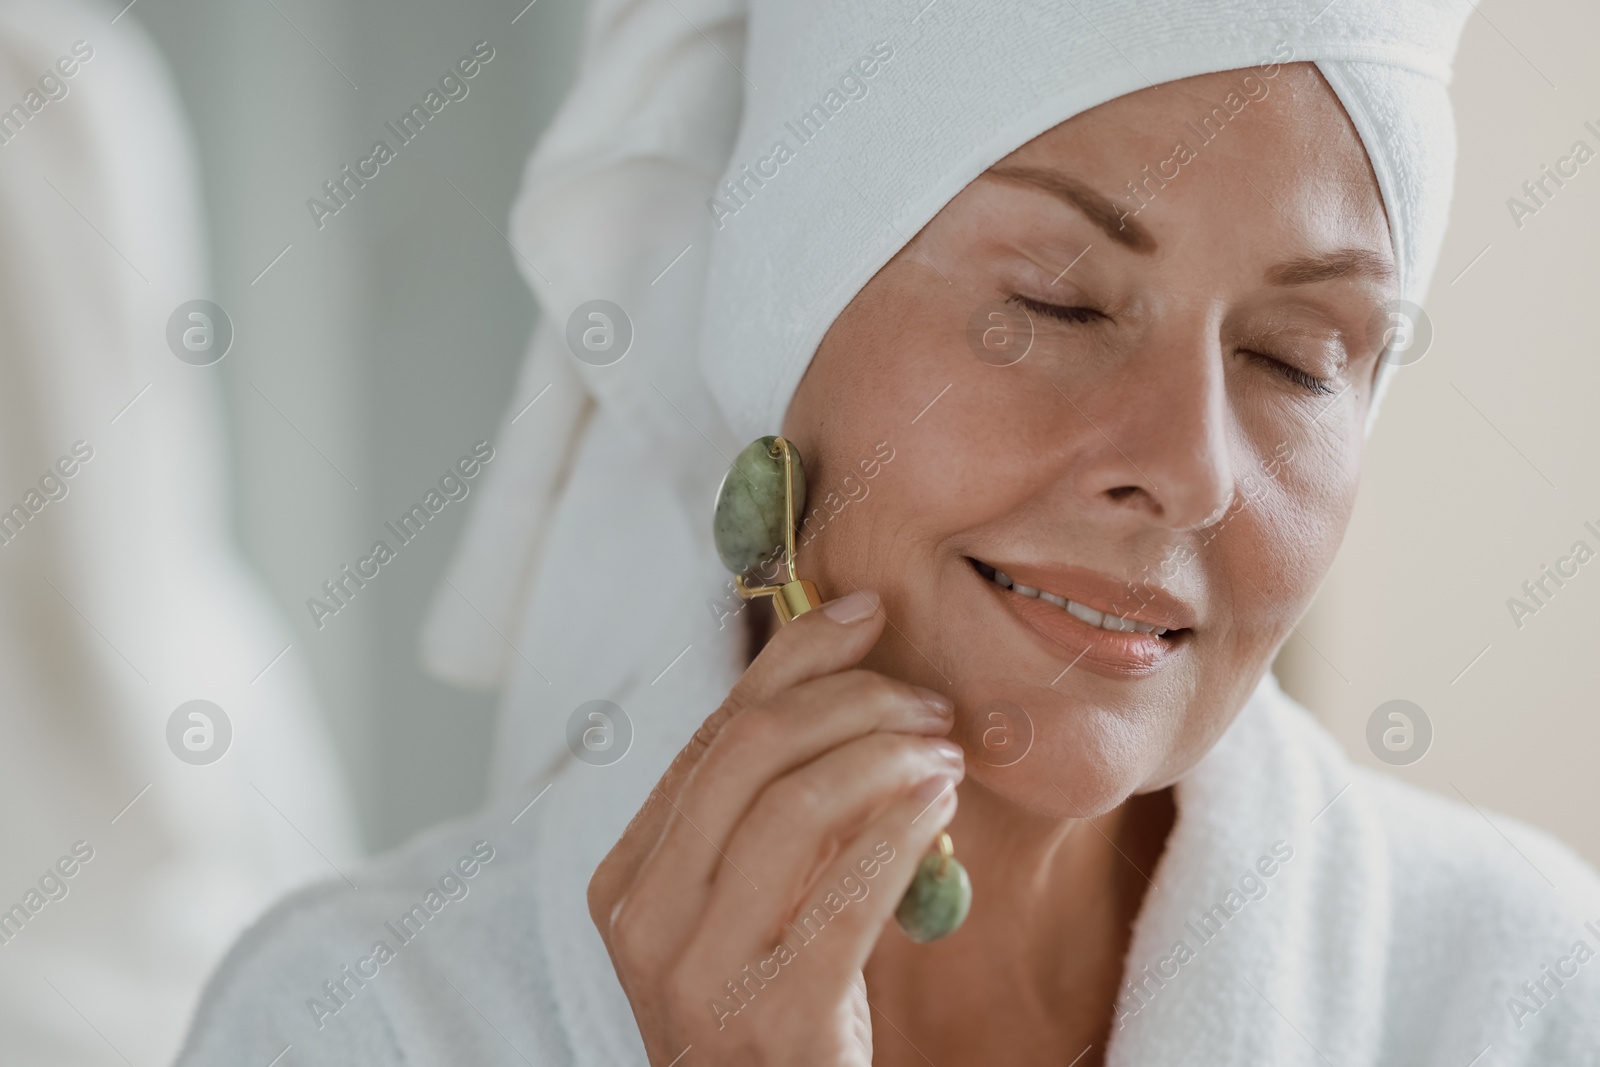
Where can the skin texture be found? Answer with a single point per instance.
(1170, 436)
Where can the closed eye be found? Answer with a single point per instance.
(1083, 315)
(1310, 383)
(1057, 311)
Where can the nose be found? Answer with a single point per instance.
(1160, 421)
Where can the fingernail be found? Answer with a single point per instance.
(852, 608)
(928, 791)
(936, 702)
(950, 751)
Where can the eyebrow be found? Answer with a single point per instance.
(1326, 266)
(1120, 226)
(1096, 207)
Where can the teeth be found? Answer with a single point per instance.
(1086, 613)
(1112, 623)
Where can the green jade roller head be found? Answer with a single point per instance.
(753, 524)
(938, 898)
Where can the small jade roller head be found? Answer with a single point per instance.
(939, 896)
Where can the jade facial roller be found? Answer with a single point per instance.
(754, 523)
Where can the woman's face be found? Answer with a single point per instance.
(1178, 444)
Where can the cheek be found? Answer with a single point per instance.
(1263, 567)
(966, 453)
(879, 388)
(1280, 548)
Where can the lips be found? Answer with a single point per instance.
(1108, 626)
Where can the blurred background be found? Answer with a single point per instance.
(367, 349)
(367, 356)
(1482, 467)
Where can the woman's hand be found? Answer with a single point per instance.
(747, 893)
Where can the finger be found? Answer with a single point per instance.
(673, 883)
(817, 643)
(899, 838)
(829, 938)
(799, 825)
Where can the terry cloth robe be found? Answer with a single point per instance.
(1308, 911)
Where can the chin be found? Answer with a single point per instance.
(1059, 754)
(1043, 727)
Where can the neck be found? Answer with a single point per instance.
(1043, 950)
(1056, 882)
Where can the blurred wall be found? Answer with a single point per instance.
(137, 650)
(1482, 467)
(380, 346)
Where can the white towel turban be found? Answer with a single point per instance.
(594, 532)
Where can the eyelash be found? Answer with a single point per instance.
(1082, 315)
(1079, 315)
(1312, 384)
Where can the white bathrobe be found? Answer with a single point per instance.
(1307, 911)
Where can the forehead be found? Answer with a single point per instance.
(1224, 147)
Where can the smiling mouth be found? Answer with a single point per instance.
(1101, 620)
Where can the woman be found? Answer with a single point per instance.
(1084, 411)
